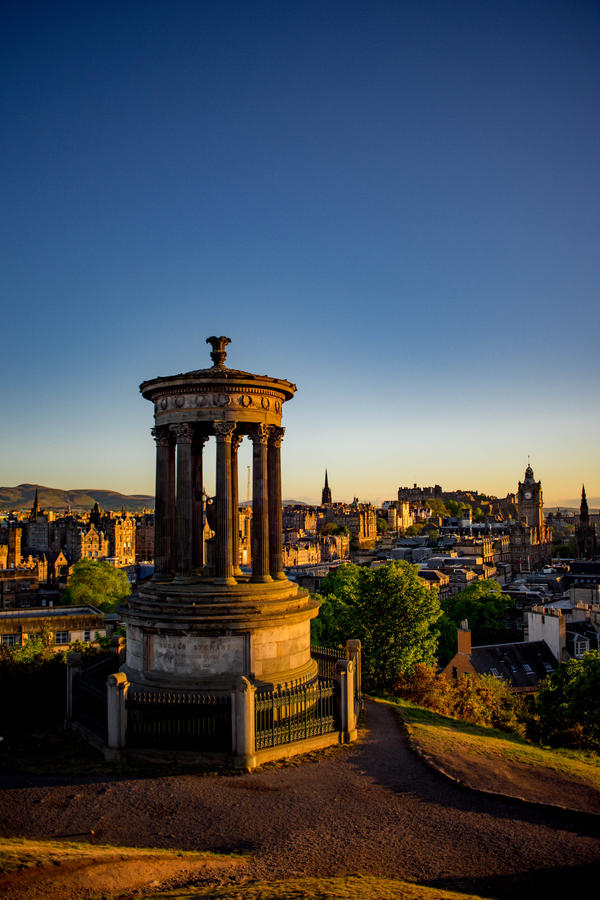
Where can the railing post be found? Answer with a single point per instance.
(116, 686)
(353, 651)
(74, 663)
(117, 647)
(243, 728)
(344, 675)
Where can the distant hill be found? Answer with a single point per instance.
(21, 497)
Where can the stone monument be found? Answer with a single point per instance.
(200, 626)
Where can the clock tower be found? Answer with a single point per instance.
(530, 505)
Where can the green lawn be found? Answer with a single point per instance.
(463, 745)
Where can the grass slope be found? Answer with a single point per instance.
(351, 887)
(497, 761)
(55, 870)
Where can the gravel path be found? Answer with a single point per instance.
(372, 808)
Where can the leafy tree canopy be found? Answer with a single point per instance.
(568, 703)
(447, 641)
(413, 530)
(332, 528)
(437, 506)
(485, 606)
(97, 583)
(390, 609)
(382, 525)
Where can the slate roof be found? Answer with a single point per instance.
(523, 664)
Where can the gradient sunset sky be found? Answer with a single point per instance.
(396, 205)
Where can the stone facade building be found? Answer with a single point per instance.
(359, 518)
(144, 538)
(85, 543)
(530, 538)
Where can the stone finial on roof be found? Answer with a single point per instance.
(218, 354)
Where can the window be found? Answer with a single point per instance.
(495, 672)
(11, 640)
(86, 636)
(528, 669)
(61, 637)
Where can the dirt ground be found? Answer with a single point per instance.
(109, 874)
(373, 808)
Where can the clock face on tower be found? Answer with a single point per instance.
(527, 495)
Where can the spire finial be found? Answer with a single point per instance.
(218, 354)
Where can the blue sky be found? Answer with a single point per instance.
(393, 204)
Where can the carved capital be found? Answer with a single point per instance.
(223, 430)
(276, 435)
(161, 435)
(183, 432)
(259, 434)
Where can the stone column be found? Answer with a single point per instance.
(197, 503)
(260, 505)
(275, 529)
(164, 503)
(224, 549)
(183, 523)
(235, 513)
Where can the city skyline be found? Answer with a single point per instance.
(393, 207)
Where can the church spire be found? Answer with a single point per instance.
(326, 492)
(583, 509)
(35, 509)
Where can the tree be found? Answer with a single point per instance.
(453, 507)
(390, 609)
(437, 506)
(382, 525)
(568, 703)
(332, 528)
(97, 583)
(485, 606)
(414, 530)
(447, 640)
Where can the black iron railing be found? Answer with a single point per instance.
(179, 720)
(326, 658)
(294, 714)
(90, 705)
(90, 700)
